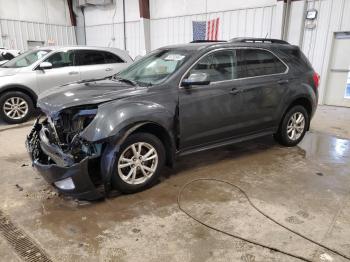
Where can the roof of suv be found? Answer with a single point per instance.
(77, 47)
(122, 53)
(238, 42)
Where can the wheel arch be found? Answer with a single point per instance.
(112, 147)
(163, 135)
(20, 88)
(302, 101)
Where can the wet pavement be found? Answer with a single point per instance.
(305, 188)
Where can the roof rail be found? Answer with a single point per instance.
(258, 40)
(207, 41)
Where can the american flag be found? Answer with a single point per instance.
(205, 30)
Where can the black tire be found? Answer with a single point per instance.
(118, 183)
(282, 136)
(16, 94)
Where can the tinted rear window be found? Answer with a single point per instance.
(91, 57)
(96, 57)
(112, 58)
(296, 59)
(257, 62)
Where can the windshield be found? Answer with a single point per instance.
(155, 67)
(26, 59)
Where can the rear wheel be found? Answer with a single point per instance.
(16, 107)
(293, 126)
(138, 163)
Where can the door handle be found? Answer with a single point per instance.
(283, 81)
(108, 69)
(73, 73)
(235, 91)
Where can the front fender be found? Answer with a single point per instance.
(19, 87)
(113, 117)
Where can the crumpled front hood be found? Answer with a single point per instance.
(88, 93)
(8, 71)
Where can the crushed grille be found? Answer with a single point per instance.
(24, 246)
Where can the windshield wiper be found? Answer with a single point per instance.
(147, 84)
(131, 82)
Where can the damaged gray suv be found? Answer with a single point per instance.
(118, 133)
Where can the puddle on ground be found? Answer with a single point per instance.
(325, 147)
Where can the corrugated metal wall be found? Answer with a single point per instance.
(100, 35)
(256, 22)
(16, 34)
(333, 16)
(251, 22)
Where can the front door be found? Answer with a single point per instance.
(208, 112)
(63, 71)
(338, 82)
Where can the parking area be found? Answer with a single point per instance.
(306, 188)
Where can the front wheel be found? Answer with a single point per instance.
(16, 107)
(293, 126)
(138, 163)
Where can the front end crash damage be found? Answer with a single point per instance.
(65, 160)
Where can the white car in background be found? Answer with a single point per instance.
(7, 54)
(23, 78)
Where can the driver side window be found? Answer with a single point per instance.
(61, 59)
(219, 66)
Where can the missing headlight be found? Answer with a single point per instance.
(70, 122)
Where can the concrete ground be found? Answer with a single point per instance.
(306, 188)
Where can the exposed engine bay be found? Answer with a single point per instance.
(58, 137)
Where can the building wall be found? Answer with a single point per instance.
(35, 20)
(104, 26)
(170, 8)
(318, 37)
(248, 22)
(171, 21)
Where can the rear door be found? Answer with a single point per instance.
(264, 86)
(98, 64)
(63, 70)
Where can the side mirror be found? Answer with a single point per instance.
(45, 65)
(196, 79)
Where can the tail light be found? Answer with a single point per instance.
(316, 78)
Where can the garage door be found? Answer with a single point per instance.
(338, 84)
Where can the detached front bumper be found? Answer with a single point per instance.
(77, 173)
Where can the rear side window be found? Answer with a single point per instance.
(257, 62)
(112, 58)
(90, 57)
(295, 57)
(96, 57)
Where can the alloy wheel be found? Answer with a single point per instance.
(296, 126)
(15, 108)
(137, 163)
